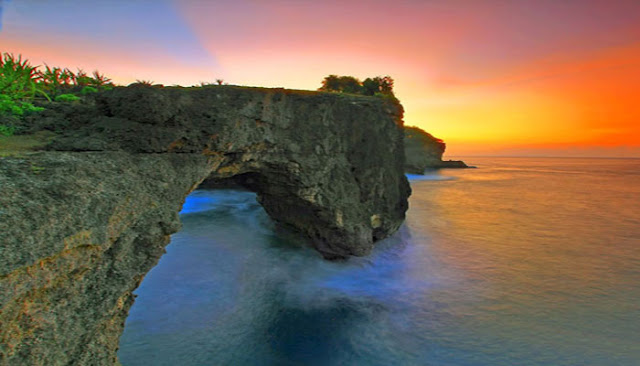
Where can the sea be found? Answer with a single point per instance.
(521, 261)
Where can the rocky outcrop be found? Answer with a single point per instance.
(423, 151)
(81, 223)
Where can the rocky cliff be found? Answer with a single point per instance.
(424, 151)
(83, 222)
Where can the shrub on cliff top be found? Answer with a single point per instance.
(378, 86)
(144, 82)
(67, 98)
(342, 84)
(56, 81)
(16, 107)
(21, 83)
(18, 79)
(88, 90)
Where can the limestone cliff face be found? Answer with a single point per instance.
(424, 151)
(82, 223)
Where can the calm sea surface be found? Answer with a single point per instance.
(518, 262)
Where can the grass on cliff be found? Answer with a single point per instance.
(23, 86)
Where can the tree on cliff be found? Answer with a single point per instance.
(349, 84)
(379, 84)
(343, 84)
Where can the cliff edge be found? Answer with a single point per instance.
(82, 222)
(424, 151)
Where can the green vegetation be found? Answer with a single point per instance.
(21, 81)
(67, 98)
(13, 109)
(18, 79)
(55, 81)
(21, 84)
(379, 86)
(88, 90)
(16, 107)
(7, 130)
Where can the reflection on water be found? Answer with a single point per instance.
(512, 263)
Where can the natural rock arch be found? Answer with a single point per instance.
(79, 236)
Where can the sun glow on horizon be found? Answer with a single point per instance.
(493, 77)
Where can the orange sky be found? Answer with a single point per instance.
(559, 78)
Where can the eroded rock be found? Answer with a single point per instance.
(82, 223)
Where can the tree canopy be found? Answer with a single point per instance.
(379, 84)
(349, 84)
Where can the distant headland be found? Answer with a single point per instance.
(424, 151)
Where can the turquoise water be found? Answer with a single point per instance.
(518, 262)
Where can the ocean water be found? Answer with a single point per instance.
(518, 262)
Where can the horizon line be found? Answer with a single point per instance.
(542, 156)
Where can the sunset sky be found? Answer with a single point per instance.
(490, 77)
